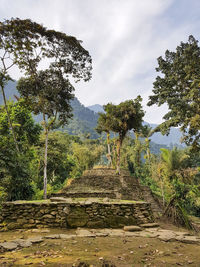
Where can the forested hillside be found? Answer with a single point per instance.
(85, 120)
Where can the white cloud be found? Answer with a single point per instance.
(124, 38)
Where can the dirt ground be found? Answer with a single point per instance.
(119, 251)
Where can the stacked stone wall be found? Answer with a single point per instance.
(15, 215)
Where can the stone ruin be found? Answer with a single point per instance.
(98, 199)
(104, 183)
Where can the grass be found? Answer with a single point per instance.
(77, 200)
(33, 201)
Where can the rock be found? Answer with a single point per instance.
(28, 225)
(190, 240)
(88, 202)
(132, 228)
(96, 224)
(61, 199)
(66, 210)
(8, 246)
(55, 236)
(63, 236)
(166, 235)
(101, 234)
(116, 232)
(23, 243)
(12, 226)
(182, 233)
(36, 239)
(45, 231)
(84, 233)
(77, 217)
(149, 225)
(22, 220)
(35, 230)
(148, 234)
(48, 216)
(115, 221)
(142, 234)
(129, 234)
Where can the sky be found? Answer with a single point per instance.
(124, 38)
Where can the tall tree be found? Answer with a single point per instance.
(27, 45)
(50, 94)
(103, 125)
(122, 118)
(179, 87)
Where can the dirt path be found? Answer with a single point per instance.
(118, 249)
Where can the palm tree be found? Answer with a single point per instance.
(174, 165)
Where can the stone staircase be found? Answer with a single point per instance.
(105, 183)
(150, 198)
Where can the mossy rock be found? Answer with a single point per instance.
(12, 226)
(96, 224)
(77, 217)
(119, 221)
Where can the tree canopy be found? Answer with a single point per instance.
(15, 173)
(178, 85)
(29, 45)
(126, 116)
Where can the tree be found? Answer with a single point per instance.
(85, 155)
(122, 118)
(179, 87)
(104, 126)
(147, 133)
(27, 45)
(59, 167)
(181, 180)
(15, 171)
(50, 94)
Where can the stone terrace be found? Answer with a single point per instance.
(105, 183)
(89, 214)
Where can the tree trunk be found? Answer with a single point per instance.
(9, 119)
(162, 192)
(137, 150)
(148, 149)
(45, 162)
(109, 151)
(119, 143)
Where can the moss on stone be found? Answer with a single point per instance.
(96, 224)
(119, 221)
(12, 226)
(77, 217)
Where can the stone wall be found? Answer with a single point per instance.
(14, 215)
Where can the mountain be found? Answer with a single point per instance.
(96, 108)
(85, 120)
(170, 140)
(10, 91)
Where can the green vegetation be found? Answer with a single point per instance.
(61, 148)
(178, 86)
(120, 119)
(25, 44)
